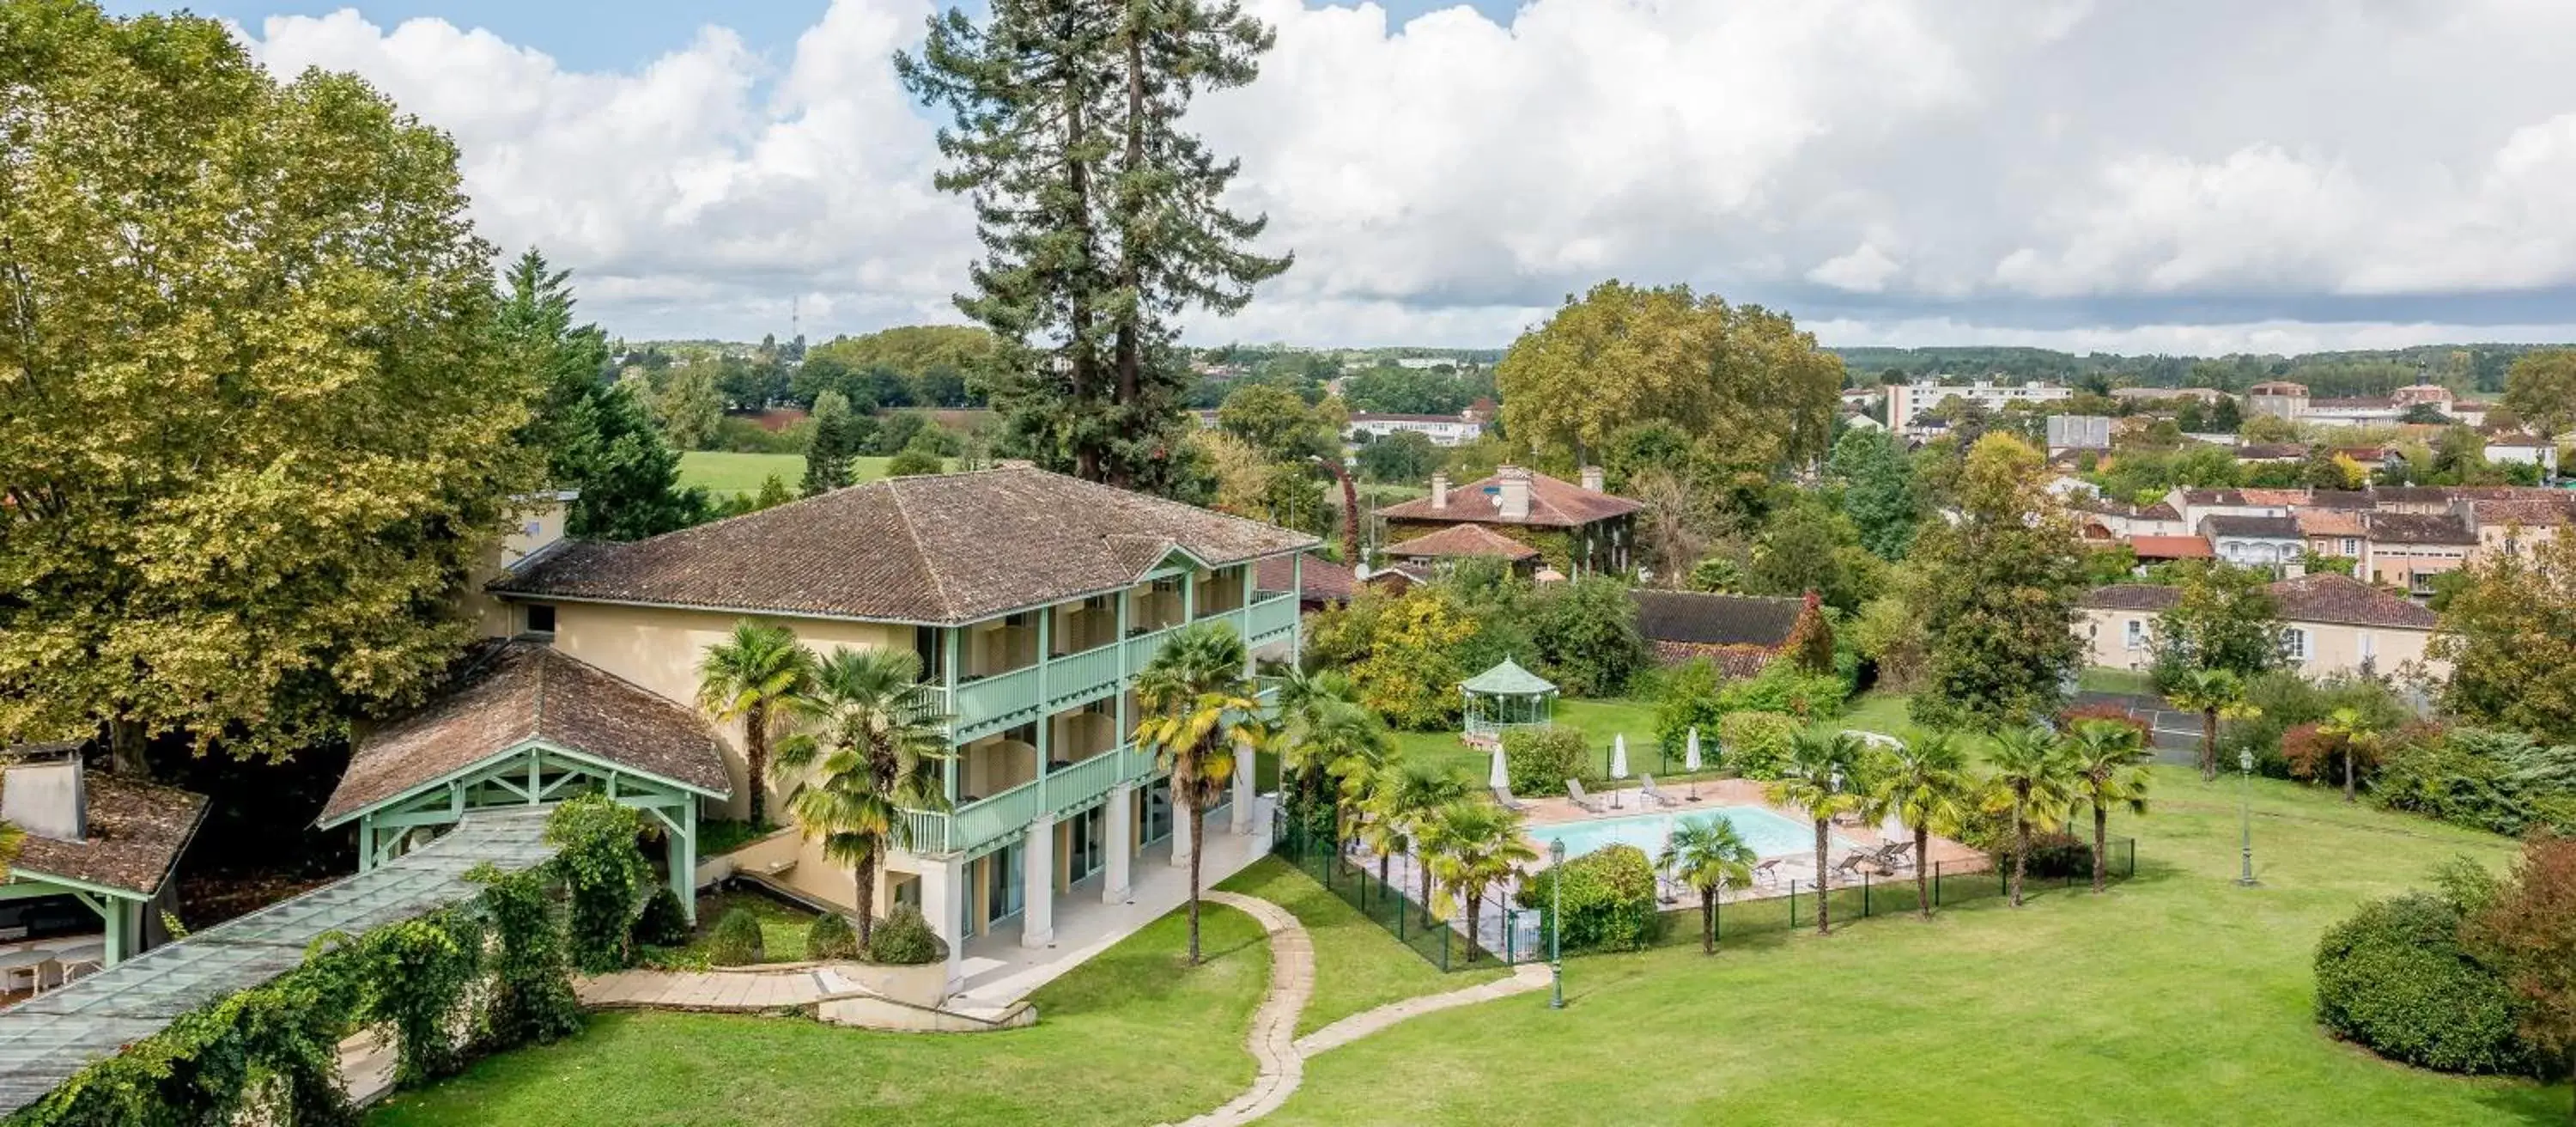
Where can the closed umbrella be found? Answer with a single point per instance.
(1618, 763)
(1690, 762)
(1498, 778)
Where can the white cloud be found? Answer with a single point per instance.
(2193, 170)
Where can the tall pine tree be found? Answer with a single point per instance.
(599, 440)
(834, 441)
(1100, 215)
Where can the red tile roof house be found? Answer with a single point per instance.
(1577, 529)
(2516, 526)
(1033, 600)
(1438, 550)
(2330, 624)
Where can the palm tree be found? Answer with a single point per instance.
(1327, 739)
(1821, 778)
(2361, 734)
(1925, 782)
(756, 675)
(1199, 704)
(1710, 856)
(2109, 758)
(2034, 779)
(870, 747)
(2212, 693)
(1469, 844)
(1405, 803)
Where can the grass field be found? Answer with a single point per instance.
(724, 473)
(1356, 966)
(782, 928)
(1129, 1038)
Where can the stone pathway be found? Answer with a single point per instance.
(1279, 1053)
(746, 991)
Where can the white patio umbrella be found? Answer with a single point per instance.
(1618, 763)
(1498, 778)
(1690, 762)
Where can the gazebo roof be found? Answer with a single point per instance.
(1508, 680)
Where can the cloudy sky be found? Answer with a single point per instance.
(2180, 175)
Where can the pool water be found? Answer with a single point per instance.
(1769, 833)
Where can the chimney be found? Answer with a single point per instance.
(49, 800)
(1440, 491)
(1514, 501)
(1592, 478)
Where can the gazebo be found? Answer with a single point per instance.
(1506, 697)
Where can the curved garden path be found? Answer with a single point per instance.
(1276, 1048)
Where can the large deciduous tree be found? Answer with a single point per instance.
(2000, 596)
(598, 439)
(1752, 389)
(1099, 213)
(254, 426)
(2223, 617)
(2540, 389)
(2509, 632)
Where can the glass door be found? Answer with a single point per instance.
(1158, 810)
(1083, 849)
(1003, 893)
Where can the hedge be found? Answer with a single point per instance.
(2394, 979)
(1609, 900)
(1539, 760)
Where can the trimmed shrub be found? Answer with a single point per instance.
(831, 937)
(1757, 743)
(2393, 978)
(2057, 855)
(1539, 760)
(1783, 687)
(736, 941)
(664, 923)
(1609, 899)
(904, 939)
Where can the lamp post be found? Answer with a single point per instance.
(1556, 924)
(2245, 807)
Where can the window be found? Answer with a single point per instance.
(2134, 636)
(541, 618)
(2298, 644)
(2351, 546)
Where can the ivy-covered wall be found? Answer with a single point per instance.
(1558, 548)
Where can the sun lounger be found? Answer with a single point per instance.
(1574, 790)
(1656, 796)
(1894, 855)
(1767, 870)
(1504, 795)
(1859, 862)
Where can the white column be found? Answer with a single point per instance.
(1243, 764)
(1184, 831)
(1037, 883)
(1121, 834)
(943, 899)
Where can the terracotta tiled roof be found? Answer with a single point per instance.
(2339, 499)
(2170, 547)
(1715, 620)
(2130, 596)
(2410, 495)
(2269, 528)
(1320, 580)
(1554, 502)
(2158, 511)
(136, 832)
(1462, 540)
(2343, 600)
(942, 550)
(2276, 496)
(2328, 522)
(2530, 514)
(503, 695)
(2420, 528)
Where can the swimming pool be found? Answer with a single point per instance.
(1769, 833)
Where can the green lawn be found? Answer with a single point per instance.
(2102, 679)
(1358, 966)
(724, 473)
(2178, 998)
(782, 927)
(1599, 720)
(1130, 1037)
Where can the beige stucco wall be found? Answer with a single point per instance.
(659, 648)
(2332, 647)
(2393, 564)
(540, 522)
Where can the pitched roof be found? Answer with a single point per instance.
(2270, 528)
(2420, 528)
(1463, 540)
(1554, 502)
(2170, 547)
(944, 549)
(2409, 495)
(2530, 514)
(136, 832)
(2266, 451)
(2339, 499)
(1715, 620)
(2329, 522)
(2344, 600)
(504, 694)
(1320, 580)
(1508, 679)
(2161, 510)
(2130, 596)
(2276, 496)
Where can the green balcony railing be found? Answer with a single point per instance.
(1081, 674)
(1078, 783)
(977, 824)
(1270, 617)
(985, 701)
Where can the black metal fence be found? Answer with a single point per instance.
(1945, 884)
(1502, 932)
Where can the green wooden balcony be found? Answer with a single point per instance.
(1003, 701)
(981, 826)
